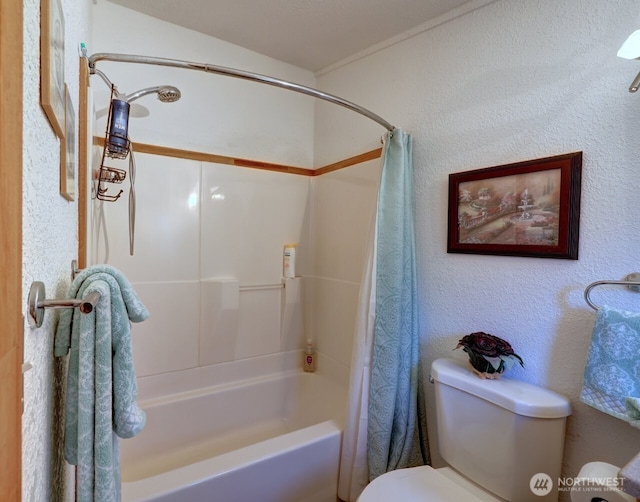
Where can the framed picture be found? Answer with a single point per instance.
(52, 63)
(68, 151)
(528, 208)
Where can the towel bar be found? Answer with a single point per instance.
(632, 281)
(37, 303)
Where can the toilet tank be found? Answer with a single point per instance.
(499, 433)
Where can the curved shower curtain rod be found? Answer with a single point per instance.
(232, 72)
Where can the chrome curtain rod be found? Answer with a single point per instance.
(232, 72)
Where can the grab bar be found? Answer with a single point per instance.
(37, 303)
(258, 287)
(632, 281)
(242, 287)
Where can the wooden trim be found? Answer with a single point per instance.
(352, 161)
(83, 168)
(252, 164)
(11, 343)
(217, 159)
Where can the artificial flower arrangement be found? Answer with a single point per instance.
(489, 355)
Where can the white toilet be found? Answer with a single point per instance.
(502, 439)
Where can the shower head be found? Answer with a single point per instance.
(169, 94)
(166, 93)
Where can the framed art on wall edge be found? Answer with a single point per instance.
(52, 63)
(68, 146)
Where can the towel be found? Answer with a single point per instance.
(101, 382)
(611, 381)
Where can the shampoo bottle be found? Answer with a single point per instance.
(289, 265)
(119, 127)
(309, 357)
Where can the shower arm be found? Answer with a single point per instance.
(232, 72)
(106, 80)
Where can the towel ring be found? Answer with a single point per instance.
(632, 281)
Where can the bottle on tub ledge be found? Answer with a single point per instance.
(289, 263)
(309, 362)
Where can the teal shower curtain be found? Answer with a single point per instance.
(396, 434)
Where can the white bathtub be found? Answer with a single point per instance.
(273, 439)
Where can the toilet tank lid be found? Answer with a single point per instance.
(517, 396)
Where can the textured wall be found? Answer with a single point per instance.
(49, 245)
(508, 82)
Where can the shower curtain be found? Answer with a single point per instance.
(354, 474)
(386, 419)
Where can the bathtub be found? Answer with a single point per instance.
(269, 439)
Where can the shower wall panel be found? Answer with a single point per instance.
(167, 247)
(248, 215)
(344, 203)
(208, 261)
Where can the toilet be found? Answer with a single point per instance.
(502, 440)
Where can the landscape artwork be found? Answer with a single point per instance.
(522, 209)
(529, 208)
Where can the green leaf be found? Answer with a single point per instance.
(494, 361)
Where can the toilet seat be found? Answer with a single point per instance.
(415, 484)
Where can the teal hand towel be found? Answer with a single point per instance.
(611, 381)
(101, 382)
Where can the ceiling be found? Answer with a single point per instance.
(310, 34)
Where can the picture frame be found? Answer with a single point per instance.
(68, 148)
(52, 81)
(529, 208)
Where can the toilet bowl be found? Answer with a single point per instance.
(598, 481)
(502, 440)
(424, 484)
(445, 485)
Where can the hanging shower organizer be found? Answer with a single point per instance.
(106, 173)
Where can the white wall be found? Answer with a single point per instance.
(509, 82)
(216, 114)
(343, 203)
(49, 244)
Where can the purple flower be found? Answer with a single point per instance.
(488, 353)
(486, 344)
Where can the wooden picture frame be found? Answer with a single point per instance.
(68, 148)
(52, 82)
(529, 208)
